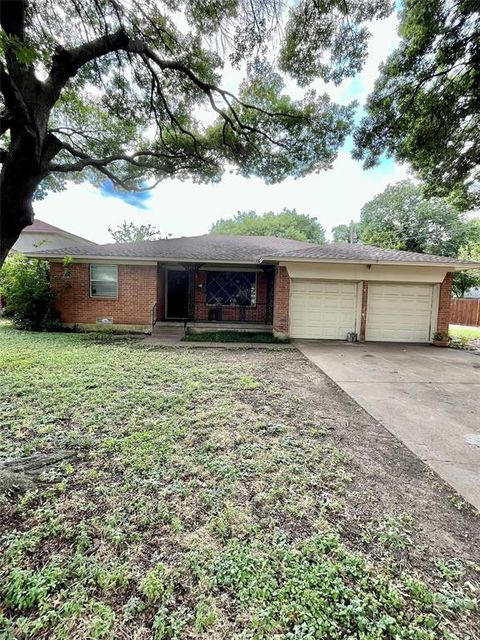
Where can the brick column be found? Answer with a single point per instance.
(444, 304)
(281, 292)
(363, 316)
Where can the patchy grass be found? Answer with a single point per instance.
(233, 336)
(472, 333)
(205, 502)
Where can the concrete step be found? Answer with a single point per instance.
(167, 331)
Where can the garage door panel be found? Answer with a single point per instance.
(322, 309)
(399, 312)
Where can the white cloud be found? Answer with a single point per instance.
(189, 209)
(183, 208)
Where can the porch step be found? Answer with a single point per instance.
(165, 331)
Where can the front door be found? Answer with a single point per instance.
(177, 295)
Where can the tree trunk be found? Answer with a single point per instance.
(17, 186)
(23, 170)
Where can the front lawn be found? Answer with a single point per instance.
(217, 494)
(472, 333)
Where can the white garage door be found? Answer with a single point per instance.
(399, 312)
(322, 309)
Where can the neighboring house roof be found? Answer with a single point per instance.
(223, 248)
(39, 226)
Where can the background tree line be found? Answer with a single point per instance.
(401, 217)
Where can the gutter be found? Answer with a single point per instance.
(451, 266)
(138, 259)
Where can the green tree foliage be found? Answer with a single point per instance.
(346, 232)
(130, 92)
(469, 252)
(425, 106)
(286, 224)
(25, 286)
(401, 217)
(130, 232)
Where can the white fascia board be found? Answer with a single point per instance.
(449, 266)
(139, 260)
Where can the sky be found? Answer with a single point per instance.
(183, 208)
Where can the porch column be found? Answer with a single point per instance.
(160, 291)
(192, 269)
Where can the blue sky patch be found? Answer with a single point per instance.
(140, 199)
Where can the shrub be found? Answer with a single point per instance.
(25, 287)
(459, 342)
(440, 336)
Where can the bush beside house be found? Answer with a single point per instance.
(28, 298)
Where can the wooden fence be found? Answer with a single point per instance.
(465, 311)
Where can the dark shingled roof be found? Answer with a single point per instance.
(246, 249)
(207, 247)
(362, 252)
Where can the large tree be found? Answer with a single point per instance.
(286, 224)
(425, 106)
(130, 91)
(401, 217)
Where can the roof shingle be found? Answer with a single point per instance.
(362, 252)
(218, 248)
(206, 247)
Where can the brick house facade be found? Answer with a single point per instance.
(288, 287)
(137, 293)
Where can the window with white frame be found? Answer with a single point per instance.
(103, 280)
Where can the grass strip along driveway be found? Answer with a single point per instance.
(217, 495)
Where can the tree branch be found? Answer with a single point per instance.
(66, 62)
(84, 160)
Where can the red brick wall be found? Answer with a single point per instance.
(444, 303)
(281, 293)
(230, 313)
(137, 292)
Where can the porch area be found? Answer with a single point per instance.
(206, 297)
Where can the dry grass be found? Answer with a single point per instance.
(204, 502)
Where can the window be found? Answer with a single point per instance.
(231, 288)
(103, 280)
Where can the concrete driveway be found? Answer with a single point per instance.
(429, 398)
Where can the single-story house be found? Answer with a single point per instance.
(41, 235)
(292, 288)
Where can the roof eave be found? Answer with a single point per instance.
(451, 266)
(143, 259)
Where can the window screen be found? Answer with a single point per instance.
(231, 288)
(103, 281)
